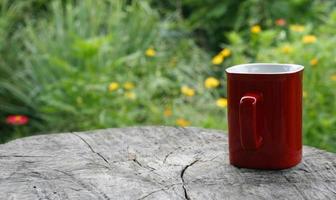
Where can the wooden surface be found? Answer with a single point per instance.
(151, 163)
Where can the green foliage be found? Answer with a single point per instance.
(66, 64)
(70, 58)
(212, 19)
(12, 15)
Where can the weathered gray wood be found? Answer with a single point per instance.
(151, 163)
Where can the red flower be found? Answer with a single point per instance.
(17, 120)
(280, 22)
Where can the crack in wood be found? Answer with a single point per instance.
(150, 169)
(159, 190)
(90, 147)
(296, 187)
(165, 158)
(182, 178)
(137, 162)
(23, 156)
(211, 159)
(168, 154)
(88, 186)
(133, 157)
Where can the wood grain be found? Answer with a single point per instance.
(151, 163)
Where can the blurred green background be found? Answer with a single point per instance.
(72, 65)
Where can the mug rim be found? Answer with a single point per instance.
(264, 68)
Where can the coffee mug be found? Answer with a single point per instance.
(265, 115)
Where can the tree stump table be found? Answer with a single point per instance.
(151, 163)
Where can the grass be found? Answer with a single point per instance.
(70, 59)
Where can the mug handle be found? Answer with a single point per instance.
(249, 135)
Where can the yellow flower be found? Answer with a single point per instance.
(129, 85)
(255, 29)
(130, 95)
(150, 52)
(167, 112)
(225, 52)
(308, 39)
(221, 102)
(313, 61)
(113, 86)
(304, 94)
(333, 77)
(296, 28)
(287, 49)
(211, 82)
(218, 59)
(182, 122)
(187, 91)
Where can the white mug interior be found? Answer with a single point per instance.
(264, 68)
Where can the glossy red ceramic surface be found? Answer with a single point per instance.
(265, 119)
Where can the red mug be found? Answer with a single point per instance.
(265, 115)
